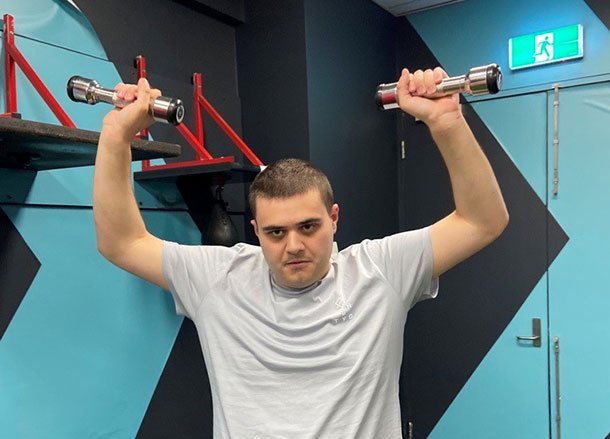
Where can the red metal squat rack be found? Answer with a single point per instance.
(13, 56)
(197, 141)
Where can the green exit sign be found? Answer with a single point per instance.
(545, 47)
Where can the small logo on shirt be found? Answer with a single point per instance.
(344, 308)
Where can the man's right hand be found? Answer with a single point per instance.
(125, 123)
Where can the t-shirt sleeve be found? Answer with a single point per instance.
(405, 260)
(191, 272)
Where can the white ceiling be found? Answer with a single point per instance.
(406, 7)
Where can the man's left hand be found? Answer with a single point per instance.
(415, 96)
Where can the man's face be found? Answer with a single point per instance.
(296, 236)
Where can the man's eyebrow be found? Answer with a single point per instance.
(309, 221)
(272, 227)
(301, 223)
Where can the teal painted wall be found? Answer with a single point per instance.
(63, 359)
(579, 278)
(479, 31)
(84, 351)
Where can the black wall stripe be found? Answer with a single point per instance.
(18, 268)
(181, 406)
(601, 9)
(447, 338)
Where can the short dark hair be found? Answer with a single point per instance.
(289, 177)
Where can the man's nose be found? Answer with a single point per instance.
(294, 243)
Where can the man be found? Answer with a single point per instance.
(299, 341)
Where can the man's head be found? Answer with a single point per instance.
(295, 219)
(288, 177)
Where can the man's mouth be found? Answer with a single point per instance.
(297, 263)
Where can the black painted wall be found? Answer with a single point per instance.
(350, 50)
(307, 73)
(272, 72)
(18, 268)
(601, 9)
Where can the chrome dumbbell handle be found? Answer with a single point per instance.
(163, 109)
(478, 81)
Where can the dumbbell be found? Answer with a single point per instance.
(478, 81)
(163, 109)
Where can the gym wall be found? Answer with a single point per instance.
(309, 70)
(465, 373)
(87, 351)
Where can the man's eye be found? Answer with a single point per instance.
(276, 233)
(309, 227)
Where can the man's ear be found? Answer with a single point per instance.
(334, 216)
(254, 226)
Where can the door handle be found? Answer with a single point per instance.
(535, 337)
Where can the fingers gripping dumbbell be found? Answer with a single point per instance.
(163, 109)
(478, 81)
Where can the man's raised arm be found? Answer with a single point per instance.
(480, 214)
(122, 237)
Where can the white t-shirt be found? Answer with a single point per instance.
(320, 363)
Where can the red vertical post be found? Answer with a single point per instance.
(12, 57)
(42, 90)
(197, 108)
(140, 62)
(9, 65)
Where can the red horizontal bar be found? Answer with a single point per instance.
(229, 131)
(191, 163)
(42, 90)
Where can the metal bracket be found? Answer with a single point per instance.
(557, 388)
(556, 139)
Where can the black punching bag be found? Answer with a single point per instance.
(221, 230)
